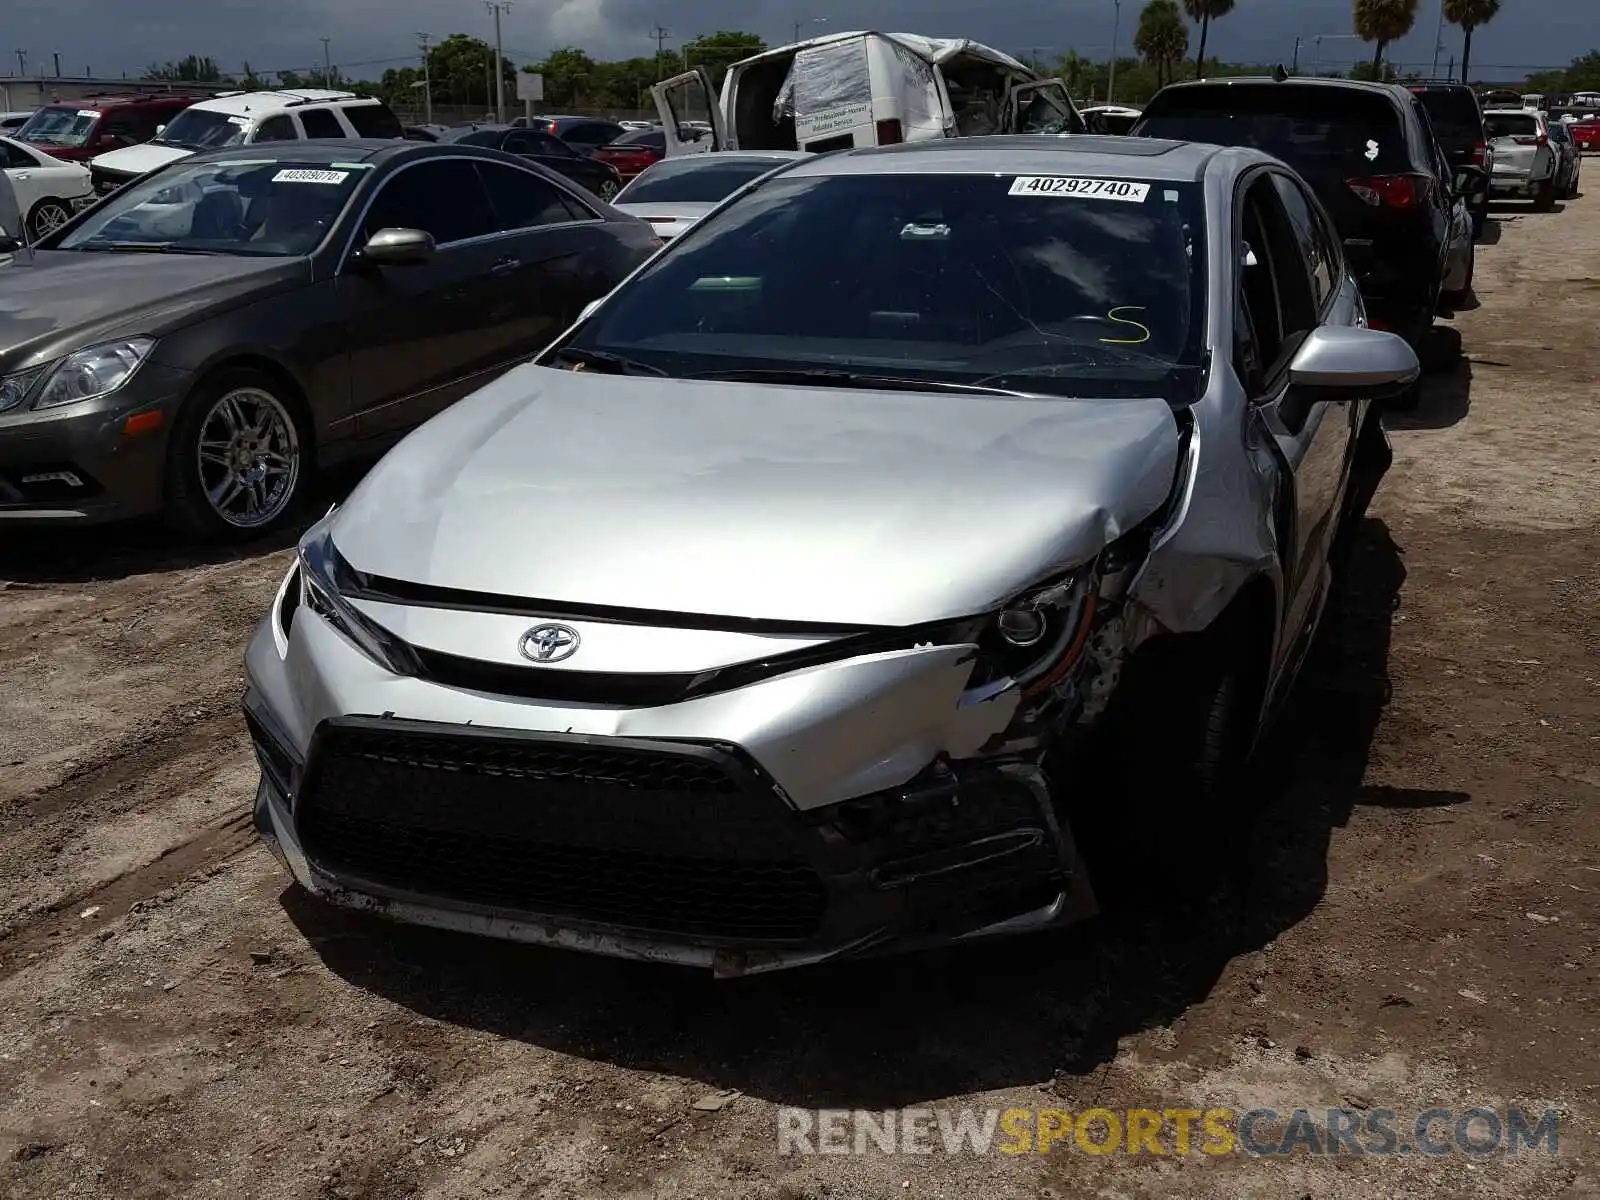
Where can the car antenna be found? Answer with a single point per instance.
(1279, 74)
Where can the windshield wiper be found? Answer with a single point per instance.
(614, 364)
(143, 248)
(829, 377)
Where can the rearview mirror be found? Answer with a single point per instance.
(1338, 362)
(398, 248)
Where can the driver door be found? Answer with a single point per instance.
(1042, 106)
(1288, 281)
(690, 97)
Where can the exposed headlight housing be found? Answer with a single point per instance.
(94, 372)
(325, 582)
(1038, 637)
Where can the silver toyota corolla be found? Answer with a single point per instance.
(927, 532)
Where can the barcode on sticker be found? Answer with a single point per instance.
(301, 175)
(1077, 185)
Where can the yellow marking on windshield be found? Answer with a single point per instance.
(1144, 330)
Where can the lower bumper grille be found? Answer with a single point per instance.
(682, 840)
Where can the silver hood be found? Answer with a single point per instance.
(798, 504)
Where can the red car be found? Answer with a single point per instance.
(634, 151)
(76, 132)
(1586, 133)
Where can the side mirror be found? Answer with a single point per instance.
(588, 310)
(1469, 181)
(160, 129)
(1338, 362)
(397, 248)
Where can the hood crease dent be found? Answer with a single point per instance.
(810, 505)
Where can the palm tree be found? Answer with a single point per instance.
(1469, 14)
(1383, 21)
(1204, 12)
(1163, 38)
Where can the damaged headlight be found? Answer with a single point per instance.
(326, 582)
(1038, 637)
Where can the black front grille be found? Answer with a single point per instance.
(664, 838)
(534, 683)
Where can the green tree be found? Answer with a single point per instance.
(291, 80)
(1162, 39)
(463, 72)
(571, 78)
(250, 81)
(192, 68)
(1383, 21)
(718, 51)
(1469, 14)
(1204, 12)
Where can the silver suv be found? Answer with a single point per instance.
(1525, 160)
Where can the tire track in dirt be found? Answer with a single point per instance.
(63, 921)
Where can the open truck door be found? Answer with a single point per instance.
(1042, 106)
(690, 98)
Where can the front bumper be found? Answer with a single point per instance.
(77, 465)
(680, 844)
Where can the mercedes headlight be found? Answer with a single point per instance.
(92, 373)
(14, 389)
(326, 583)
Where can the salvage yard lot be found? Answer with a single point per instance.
(1420, 929)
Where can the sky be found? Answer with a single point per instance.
(113, 36)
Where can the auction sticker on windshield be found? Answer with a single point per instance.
(1079, 186)
(302, 175)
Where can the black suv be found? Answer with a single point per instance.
(1369, 152)
(1458, 124)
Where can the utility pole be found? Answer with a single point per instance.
(497, 7)
(1438, 43)
(427, 82)
(1116, 31)
(661, 34)
(1295, 69)
(327, 66)
(57, 57)
(22, 62)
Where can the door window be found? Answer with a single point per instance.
(1311, 235)
(1275, 293)
(595, 133)
(320, 123)
(276, 129)
(15, 157)
(373, 121)
(443, 198)
(127, 128)
(522, 200)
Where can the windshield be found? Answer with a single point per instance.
(1318, 131)
(258, 208)
(198, 129)
(696, 183)
(1071, 287)
(60, 126)
(1504, 125)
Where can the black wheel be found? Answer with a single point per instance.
(1545, 200)
(239, 459)
(609, 189)
(1172, 791)
(47, 216)
(1480, 219)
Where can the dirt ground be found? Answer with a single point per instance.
(1421, 927)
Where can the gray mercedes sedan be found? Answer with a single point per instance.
(914, 551)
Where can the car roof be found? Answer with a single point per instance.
(1391, 90)
(1155, 159)
(102, 102)
(239, 104)
(688, 160)
(318, 150)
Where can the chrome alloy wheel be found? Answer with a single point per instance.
(248, 454)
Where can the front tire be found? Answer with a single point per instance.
(238, 463)
(46, 217)
(1173, 760)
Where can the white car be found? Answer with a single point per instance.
(48, 190)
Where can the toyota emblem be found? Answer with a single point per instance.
(549, 643)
